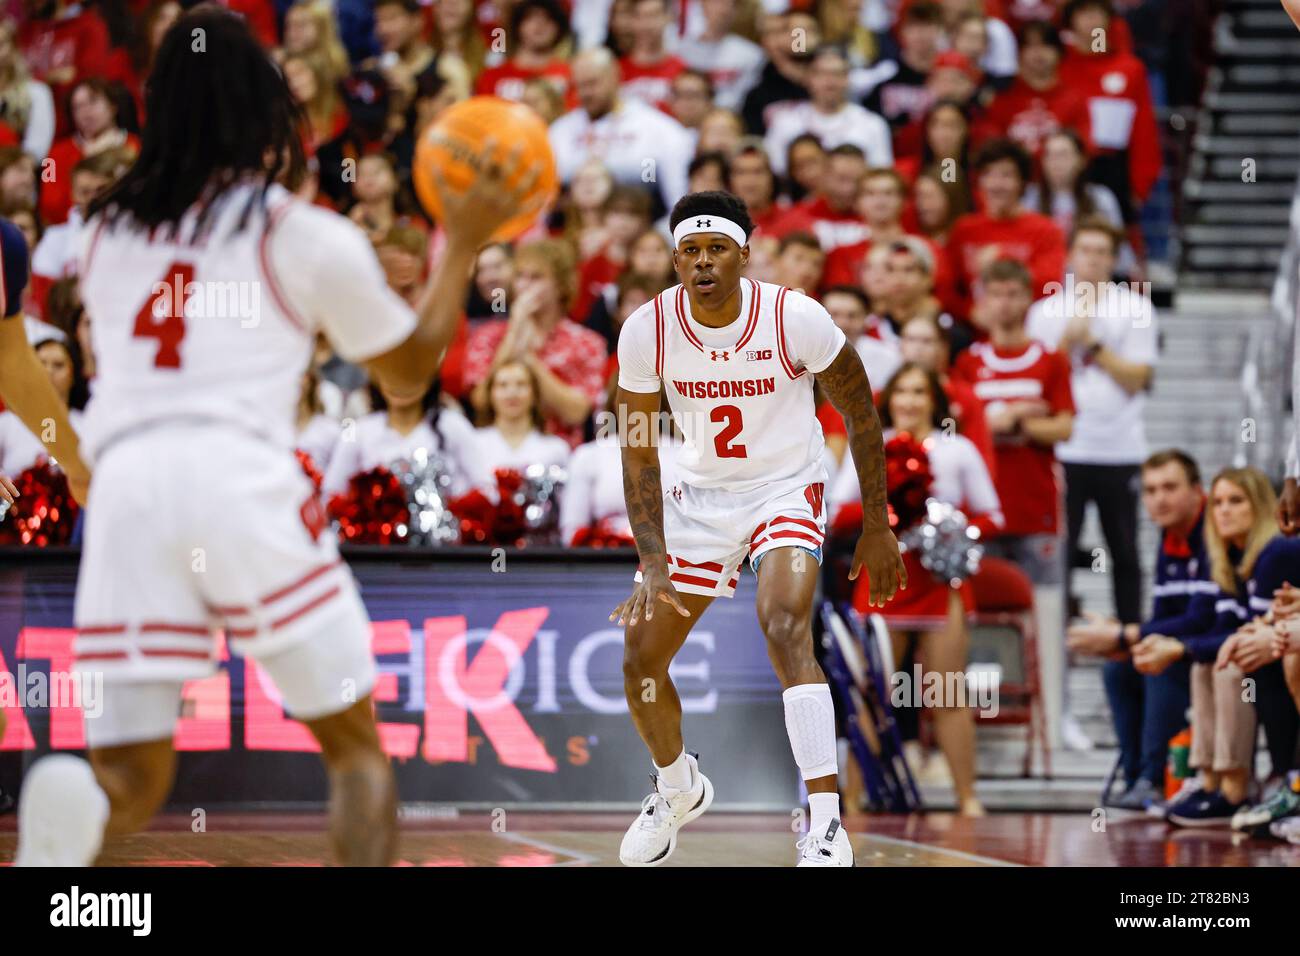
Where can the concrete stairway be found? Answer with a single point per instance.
(1246, 152)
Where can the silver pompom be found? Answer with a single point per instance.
(539, 496)
(945, 543)
(426, 479)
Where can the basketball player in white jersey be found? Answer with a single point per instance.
(737, 359)
(207, 284)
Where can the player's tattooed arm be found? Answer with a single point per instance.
(845, 383)
(638, 424)
(642, 486)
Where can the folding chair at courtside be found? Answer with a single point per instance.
(855, 661)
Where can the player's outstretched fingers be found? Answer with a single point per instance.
(670, 596)
(7, 489)
(638, 606)
(617, 614)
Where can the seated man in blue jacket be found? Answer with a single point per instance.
(1150, 709)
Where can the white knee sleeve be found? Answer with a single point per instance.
(810, 722)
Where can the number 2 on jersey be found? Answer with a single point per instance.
(162, 316)
(722, 443)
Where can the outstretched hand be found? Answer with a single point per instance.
(878, 552)
(653, 588)
(474, 214)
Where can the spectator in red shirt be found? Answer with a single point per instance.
(315, 89)
(625, 214)
(750, 177)
(1114, 84)
(648, 69)
(880, 204)
(1025, 388)
(831, 214)
(1037, 103)
(1004, 229)
(537, 28)
(93, 118)
(63, 42)
(568, 360)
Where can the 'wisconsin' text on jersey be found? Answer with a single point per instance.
(727, 389)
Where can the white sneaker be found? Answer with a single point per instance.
(829, 849)
(1287, 829)
(652, 837)
(61, 814)
(1072, 735)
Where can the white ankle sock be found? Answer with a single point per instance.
(823, 808)
(677, 774)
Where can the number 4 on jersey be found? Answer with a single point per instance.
(162, 316)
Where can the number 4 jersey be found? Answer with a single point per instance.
(742, 395)
(219, 322)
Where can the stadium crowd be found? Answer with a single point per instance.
(945, 177)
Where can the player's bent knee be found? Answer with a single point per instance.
(783, 626)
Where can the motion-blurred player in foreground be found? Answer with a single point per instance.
(199, 516)
(26, 389)
(737, 359)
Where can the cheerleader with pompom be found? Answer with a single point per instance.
(929, 617)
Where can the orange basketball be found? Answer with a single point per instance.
(457, 137)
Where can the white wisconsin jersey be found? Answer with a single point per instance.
(220, 325)
(741, 394)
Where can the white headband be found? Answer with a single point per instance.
(708, 223)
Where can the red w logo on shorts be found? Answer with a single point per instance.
(313, 517)
(814, 495)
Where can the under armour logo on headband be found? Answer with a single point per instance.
(701, 223)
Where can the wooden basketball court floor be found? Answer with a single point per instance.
(527, 838)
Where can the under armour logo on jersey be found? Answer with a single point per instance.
(702, 223)
(677, 492)
(714, 356)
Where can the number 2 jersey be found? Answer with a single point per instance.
(742, 395)
(219, 323)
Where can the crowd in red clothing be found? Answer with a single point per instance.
(886, 164)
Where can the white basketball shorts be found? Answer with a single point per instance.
(709, 532)
(194, 530)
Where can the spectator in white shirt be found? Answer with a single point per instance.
(732, 62)
(55, 257)
(637, 143)
(829, 115)
(593, 496)
(399, 428)
(513, 435)
(1108, 331)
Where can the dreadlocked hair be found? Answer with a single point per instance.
(219, 111)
